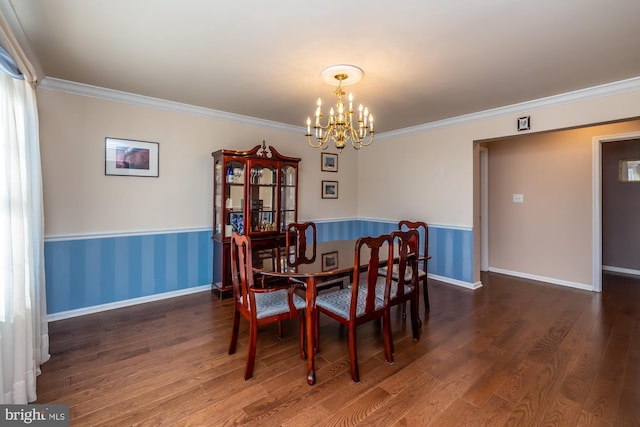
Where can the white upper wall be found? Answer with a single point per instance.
(80, 199)
(422, 173)
(428, 173)
(553, 227)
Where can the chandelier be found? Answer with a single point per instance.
(339, 126)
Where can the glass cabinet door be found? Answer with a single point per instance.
(217, 191)
(263, 199)
(288, 182)
(234, 202)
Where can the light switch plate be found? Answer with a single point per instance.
(518, 198)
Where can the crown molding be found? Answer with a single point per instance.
(8, 14)
(82, 89)
(74, 88)
(600, 91)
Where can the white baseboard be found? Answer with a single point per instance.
(126, 303)
(468, 285)
(551, 280)
(621, 270)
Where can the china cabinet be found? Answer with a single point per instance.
(255, 192)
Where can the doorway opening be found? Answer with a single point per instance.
(597, 145)
(591, 203)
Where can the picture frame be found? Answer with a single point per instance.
(524, 123)
(330, 261)
(329, 189)
(629, 170)
(127, 157)
(329, 162)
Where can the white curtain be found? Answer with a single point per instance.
(24, 336)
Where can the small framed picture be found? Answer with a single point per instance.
(329, 261)
(329, 189)
(130, 158)
(329, 162)
(524, 123)
(629, 170)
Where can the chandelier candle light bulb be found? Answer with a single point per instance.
(339, 127)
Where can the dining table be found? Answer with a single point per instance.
(323, 261)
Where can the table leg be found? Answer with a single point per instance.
(311, 329)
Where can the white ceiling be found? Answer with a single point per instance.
(424, 60)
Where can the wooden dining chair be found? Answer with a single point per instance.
(299, 238)
(297, 235)
(260, 306)
(404, 286)
(423, 230)
(360, 304)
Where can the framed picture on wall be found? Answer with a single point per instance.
(329, 261)
(524, 123)
(329, 162)
(127, 157)
(629, 170)
(329, 189)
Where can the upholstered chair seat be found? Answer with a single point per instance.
(407, 274)
(380, 284)
(275, 303)
(339, 302)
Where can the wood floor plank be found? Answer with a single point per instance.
(494, 412)
(606, 389)
(514, 352)
(358, 410)
(563, 412)
(459, 413)
(425, 412)
(541, 391)
(418, 389)
(496, 375)
(629, 408)
(166, 411)
(312, 416)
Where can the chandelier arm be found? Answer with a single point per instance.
(353, 136)
(319, 145)
(364, 144)
(321, 140)
(328, 130)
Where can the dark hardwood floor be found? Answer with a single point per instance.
(515, 352)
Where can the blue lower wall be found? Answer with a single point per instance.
(82, 273)
(451, 249)
(87, 272)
